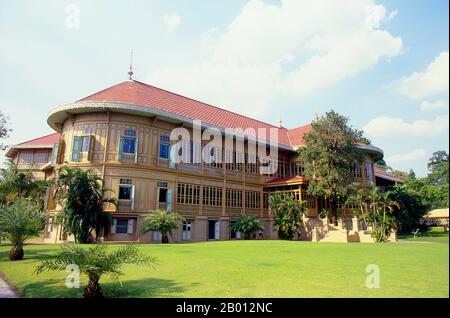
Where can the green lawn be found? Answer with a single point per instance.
(436, 237)
(256, 269)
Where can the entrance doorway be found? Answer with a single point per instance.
(187, 230)
(213, 230)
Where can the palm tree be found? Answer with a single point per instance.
(162, 221)
(95, 262)
(15, 183)
(288, 214)
(381, 209)
(247, 224)
(19, 222)
(82, 194)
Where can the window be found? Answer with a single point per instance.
(85, 143)
(310, 200)
(368, 171)
(26, 157)
(212, 196)
(125, 189)
(188, 194)
(41, 156)
(357, 171)
(129, 142)
(252, 200)
(164, 147)
(122, 226)
(234, 198)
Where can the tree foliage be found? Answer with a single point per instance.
(288, 213)
(329, 154)
(95, 262)
(247, 224)
(377, 211)
(162, 221)
(4, 130)
(20, 221)
(15, 183)
(82, 195)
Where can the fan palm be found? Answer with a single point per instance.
(19, 222)
(162, 221)
(15, 183)
(94, 263)
(247, 224)
(83, 196)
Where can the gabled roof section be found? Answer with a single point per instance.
(296, 135)
(138, 93)
(44, 140)
(383, 174)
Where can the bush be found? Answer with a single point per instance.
(436, 229)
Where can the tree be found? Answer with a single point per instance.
(288, 213)
(4, 130)
(247, 224)
(438, 179)
(329, 156)
(95, 262)
(15, 183)
(410, 210)
(162, 221)
(19, 222)
(82, 194)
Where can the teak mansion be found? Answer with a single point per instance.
(123, 133)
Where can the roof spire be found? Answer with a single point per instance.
(130, 71)
(280, 122)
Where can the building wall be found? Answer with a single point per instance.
(146, 170)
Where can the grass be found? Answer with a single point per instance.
(255, 269)
(435, 237)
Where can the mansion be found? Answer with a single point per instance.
(123, 133)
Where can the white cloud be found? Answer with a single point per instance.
(434, 80)
(389, 126)
(308, 45)
(410, 156)
(438, 104)
(172, 21)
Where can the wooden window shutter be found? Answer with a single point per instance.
(91, 147)
(132, 198)
(169, 200)
(120, 149)
(130, 226)
(55, 154)
(76, 149)
(172, 156)
(136, 148)
(113, 226)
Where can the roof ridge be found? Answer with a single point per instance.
(27, 141)
(199, 101)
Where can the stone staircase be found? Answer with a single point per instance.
(327, 232)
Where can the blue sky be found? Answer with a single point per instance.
(382, 63)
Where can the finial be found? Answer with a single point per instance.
(130, 72)
(280, 122)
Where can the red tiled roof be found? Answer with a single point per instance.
(44, 140)
(137, 93)
(296, 135)
(287, 179)
(381, 173)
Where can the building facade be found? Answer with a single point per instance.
(124, 134)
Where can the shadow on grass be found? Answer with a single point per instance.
(148, 287)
